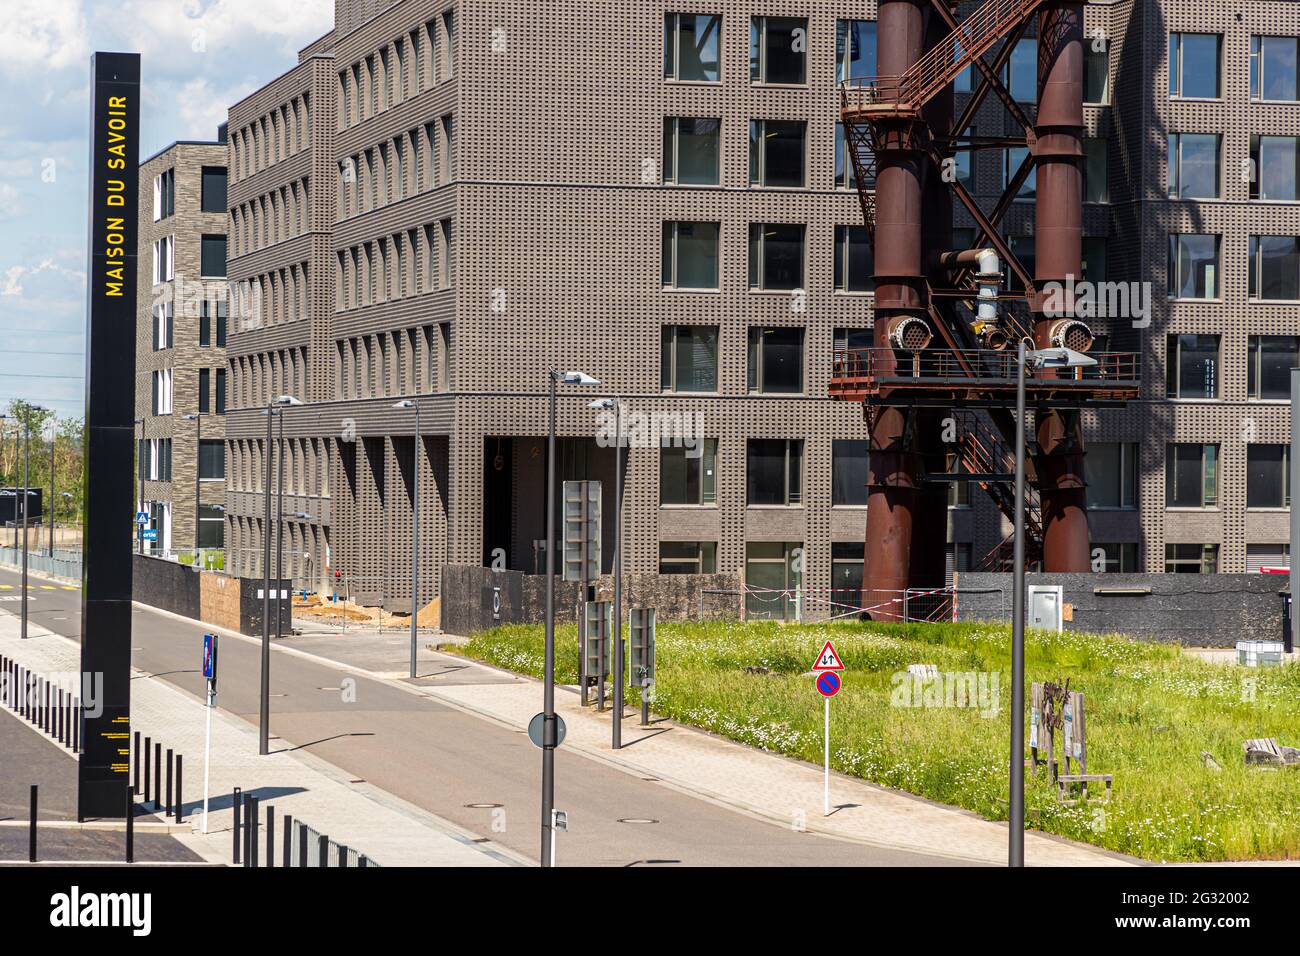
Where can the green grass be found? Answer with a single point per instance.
(1150, 712)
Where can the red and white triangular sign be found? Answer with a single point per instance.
(828, 660)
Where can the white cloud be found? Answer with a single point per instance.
(49, 34)
(11, 205)
(12, 284)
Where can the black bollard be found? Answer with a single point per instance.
(235, 799)
(130, 825)
(180, 803)
(270, 836)
(253, 827)
(324, 844)
(302, 845)
(167, 806)
(288, 841)
(343, 855)
(136, 763)
(31, 829)
(148, 765)
(157, 777)
(249, 823)
(76, 725)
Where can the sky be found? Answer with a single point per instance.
(198, 57)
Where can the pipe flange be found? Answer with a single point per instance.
(1071, 334)
(910, 334)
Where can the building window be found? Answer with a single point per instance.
(164, 326)
(212, 526)
(688, 557)
(1268, 367)
(690, 255)
(164, 196)
(1273, 68)
(1094, 261)
(846, 174)
(691, 47)
(777, 150)
(1096, 74)
(1193, 267)
(774, 471)
(776, 256)
(1194, 166)
(689, 476)
(1011, 161)
(1192, 366)
(214, 189)
(854, 263)
(958, 491)
(162, 392)
(1191, 476)
(205, 324)
(773, 573)
(212, 460)
(164, 259)
(778, 50)
(213, 256)
(1274, 268)
(1096, 178)
(1021, 74)
(159, 459)
(1194, 65)
(1268, 476)
(851, 340)
(849, 472)
(691, 150)
(1111, 471)
(1261, 556)
(1191, 558)
(448, 124)
(205, 390)
(688, 358)
(1275, 166)
(1120, 557)
(775, 361)
(221, 391)
(448, 254)
(846, 575)
(855, 50)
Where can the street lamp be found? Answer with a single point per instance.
(197, 419)
(1038, 358)
(27, 491)
(615, 406)
(555, 378)
(415, 527)
(264, 704)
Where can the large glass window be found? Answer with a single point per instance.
(846, 575)
(692, 42)
(849, 472)
(1261, 556)
(691, 150)
(1276, 164)
(1274, 267)
(690, 255)
(1096, 74)
(854, 264)
(1269, 364)
(1193, 166)
(688, 358)
(1193, 267)
(1192, 366)
(214, 189)
(774, 471)
(689, 476)
(212, 459)
(1096, 180)
(778, 50)
(775, 360)
(1120, 557)
(212, 526)
(1021, 74)
(777, 152)
(773, 572)
(1195, 65)
(846, 174)
(855, 50)
(164, 195)
(776, 256)
(1111, 471)
(1191, 558)
(688, 557)
(1191, 476)
(1273, 68)
(1268, 476)
(1011, 162)
(213, 256)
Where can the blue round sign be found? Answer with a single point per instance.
(829, 684)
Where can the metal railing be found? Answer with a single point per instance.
(943, 366)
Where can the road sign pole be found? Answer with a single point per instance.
(826, 787)
(207, 753)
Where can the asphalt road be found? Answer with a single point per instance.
(443, 760)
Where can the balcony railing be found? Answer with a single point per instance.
(972, 368)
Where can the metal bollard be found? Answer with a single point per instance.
(253, 835)
(361, 862)
(76, 725)
(249, 823)
(324, 844)
(302, 845)
(58, 714)
(343, 855)
(180, 803)
(288, 841)
(157, 777)
(31, 829)
(130, 825)
(136, 764)
(270, 836)
(234, 806)
(148, 758)
(167, 806)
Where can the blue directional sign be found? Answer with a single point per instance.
(829, 684)
(150, 534)
(210, 656)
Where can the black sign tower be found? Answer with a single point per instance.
(109, 434)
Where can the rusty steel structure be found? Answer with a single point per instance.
(938, 383)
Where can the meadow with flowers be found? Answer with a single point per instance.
(1151, 711)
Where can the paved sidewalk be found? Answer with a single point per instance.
(766, 785)
(388, 830)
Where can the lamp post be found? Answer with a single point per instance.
(27, 491)
(548, 684)
(1038, 358)
(197, 418)
(54, 434)
(264, 701)
(614, 405)
(415, 528)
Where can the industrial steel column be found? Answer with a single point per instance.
(1058, 230)
(893, 482)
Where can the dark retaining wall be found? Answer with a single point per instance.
(475, 599)
(175, 587)
(1197, 610)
